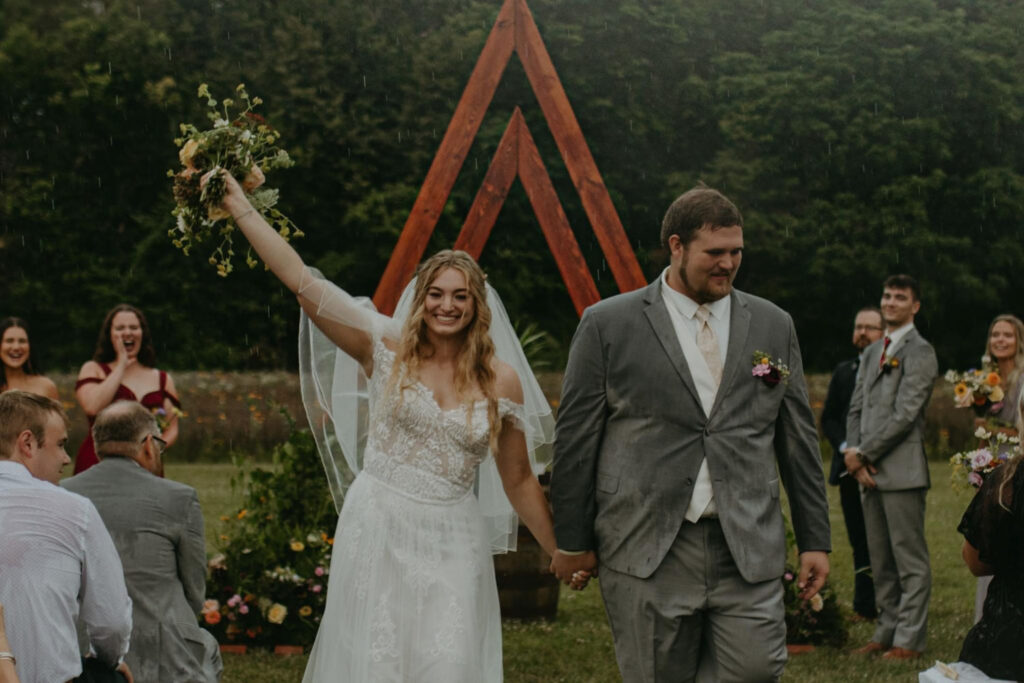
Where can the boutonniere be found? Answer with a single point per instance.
(890, 365)
(771, 372)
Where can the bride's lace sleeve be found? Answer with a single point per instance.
(331, 303)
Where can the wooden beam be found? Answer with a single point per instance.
(573, 146)
(448, 161)
(553, 221)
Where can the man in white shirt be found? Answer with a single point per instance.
(57, 561)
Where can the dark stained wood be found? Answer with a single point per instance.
(582, 169)
(554, 223)
(449, 159)
(515, 31)
(493, 191)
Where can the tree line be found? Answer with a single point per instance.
(858, 137)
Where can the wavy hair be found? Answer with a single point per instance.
(27, 368)
(473, 368)
(1010, 468)
(1018, 357)
(105, 353)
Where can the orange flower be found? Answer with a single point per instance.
(766, 361)
(993, 379)
(960, 390)
(212, 618)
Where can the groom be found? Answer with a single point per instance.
(669, 450)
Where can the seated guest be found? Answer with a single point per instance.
(157, 527)
(57, 562)
(993, 529)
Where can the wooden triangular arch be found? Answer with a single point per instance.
(517, 155)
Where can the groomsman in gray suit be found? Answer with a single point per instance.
(157, 527)
(672, 438)
(884, 433)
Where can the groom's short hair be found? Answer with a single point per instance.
(697, 208)
(903, 281)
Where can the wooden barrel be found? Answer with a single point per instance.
(526, 589)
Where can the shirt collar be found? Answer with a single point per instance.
(688, 307)
(898, 333)
(14, 470)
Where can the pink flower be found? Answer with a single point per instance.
(760, 370)
(243, 608)
(981, 459)
(788, 576)
(974, 479)
(319, 571)
(234, 600)
(317, 588)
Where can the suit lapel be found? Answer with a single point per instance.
(739, 326)
(898, 350)
(661, 324)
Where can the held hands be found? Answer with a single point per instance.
(814, 570)
(860, 470)
(235, 201)
(574, 571)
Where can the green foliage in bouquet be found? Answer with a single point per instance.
(268, 584)
(818, 621)
(244, 146)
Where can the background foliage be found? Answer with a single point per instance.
(859, 137)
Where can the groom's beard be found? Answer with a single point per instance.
(708, 292)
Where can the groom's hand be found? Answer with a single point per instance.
(563, 566)
(813, 572)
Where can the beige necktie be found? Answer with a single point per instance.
(707, 342)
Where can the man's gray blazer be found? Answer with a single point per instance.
(157, 527)
(886, 418)
(631, 435)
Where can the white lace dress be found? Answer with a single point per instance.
(412, 595)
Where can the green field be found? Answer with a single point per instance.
(577, 646)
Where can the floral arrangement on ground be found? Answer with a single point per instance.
(268, 583)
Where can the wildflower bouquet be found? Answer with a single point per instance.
(977, 389)
(973, 466)
(244, 146)
(817, 621)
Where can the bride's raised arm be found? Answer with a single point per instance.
(346, 323)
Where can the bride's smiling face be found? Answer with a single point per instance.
(448, 308)
(126, 325)
(14, 347)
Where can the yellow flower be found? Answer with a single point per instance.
(277, 613)
(297, 546)
(960, 390)
(817, 603)
(186, 153)
(997, 394)
(242, 513)
(305, 611)
(766, 361)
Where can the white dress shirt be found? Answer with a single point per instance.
(682, 311)
(895, 336)
(57, 565)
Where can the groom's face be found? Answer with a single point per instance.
(705, 268)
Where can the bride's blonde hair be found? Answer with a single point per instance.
(474, 366)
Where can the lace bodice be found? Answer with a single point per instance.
(418, 448)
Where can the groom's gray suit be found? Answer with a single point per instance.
(632, 434)
(886, 425)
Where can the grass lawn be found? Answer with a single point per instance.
(577, 646)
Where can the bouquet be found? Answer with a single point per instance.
(244, 146)
(973, 466)
(977, 389)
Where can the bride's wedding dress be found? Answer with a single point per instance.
(411, 594)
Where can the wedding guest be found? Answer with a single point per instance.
(885, 453)
(16, 368)
(993, 530)
(1005, 349)
(8, 672)
(867, 329)
(57, 562)
(123, 368)
(157, 528)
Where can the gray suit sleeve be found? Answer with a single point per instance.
(192, 555)
(799, 458)
(578, 434)
(853, 416)
(919, 372)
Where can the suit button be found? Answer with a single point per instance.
(689, 481)
(707, 432)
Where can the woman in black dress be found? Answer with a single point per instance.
(993, 529)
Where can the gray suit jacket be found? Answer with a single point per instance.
(886, 418)
(157, 527)
(631, 436)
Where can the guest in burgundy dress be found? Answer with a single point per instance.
(122, 369)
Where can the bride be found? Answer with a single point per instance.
(412, 594)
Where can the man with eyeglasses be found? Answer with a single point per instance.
(157, 527)
(867, 329)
